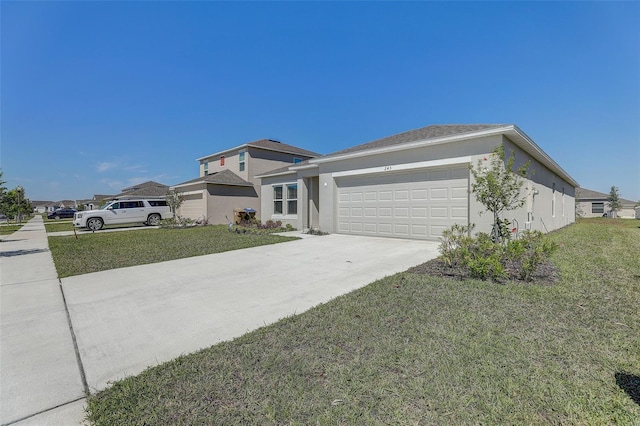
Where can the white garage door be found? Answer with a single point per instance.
(192, 206)
(417, 205)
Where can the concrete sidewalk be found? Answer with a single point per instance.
(40, 379)
(125, 320)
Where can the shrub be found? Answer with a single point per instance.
(454, 244)
(484, 258)
(537, 250)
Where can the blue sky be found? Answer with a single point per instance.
(97, 96)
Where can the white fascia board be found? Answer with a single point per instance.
(186, 184)
(248, 145)
(192, 192)
(404, 167)
(410, 145)
(529, 146)
(215, 154)
(286, 172)
(304, 167)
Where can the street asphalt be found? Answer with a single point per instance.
(61, 339)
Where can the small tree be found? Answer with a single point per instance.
(15, 204)
(174, 199)
(614, 201)
(499, 189)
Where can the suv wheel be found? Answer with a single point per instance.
(153, 220)
(95, 224)
(57, 217)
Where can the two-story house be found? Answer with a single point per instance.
(227, 179)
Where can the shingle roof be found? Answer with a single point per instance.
(279, 146)
(588, 194)
(269, 144)
(423, 133)
(145, 189)
(225, 177)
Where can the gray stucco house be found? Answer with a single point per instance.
(596, 204)
(227, 179)
(414, 185)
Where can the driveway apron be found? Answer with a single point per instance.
(40, 378)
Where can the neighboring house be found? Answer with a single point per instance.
(97, 201)
(415, 185)
(66, 204)
(146, 189)
(228, 179)
(42, 206)
(596, 204)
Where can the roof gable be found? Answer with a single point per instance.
(224, 177)
(268, 144)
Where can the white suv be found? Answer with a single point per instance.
(147, 211)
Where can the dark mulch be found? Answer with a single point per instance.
(547, 273)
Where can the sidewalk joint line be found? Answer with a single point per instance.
(13, 422)
(83, 376)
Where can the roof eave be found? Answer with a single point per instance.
(246, 145)
(529, 146)
(411, 145)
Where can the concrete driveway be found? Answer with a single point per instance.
(128, 319)
(62, 338)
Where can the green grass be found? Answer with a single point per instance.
(58, 225)
(6, 229)
(413, 349)
(93, 252)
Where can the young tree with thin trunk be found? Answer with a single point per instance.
(614, 201)
(498, 188)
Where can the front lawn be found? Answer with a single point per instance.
(6, 229)
(417, 349)
(93, 252)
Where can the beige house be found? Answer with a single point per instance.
(596, 204)
(415, 184)
(228, 182)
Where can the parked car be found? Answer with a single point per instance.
(140, 210)
(61, 213)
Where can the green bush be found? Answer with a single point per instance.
(481, 257)
(454, 244)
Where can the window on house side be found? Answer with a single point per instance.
(241, 159)
(277, 200)
(297, 160)
(222, 160)
(285, 199)
(292, 199)
(206, 168)
(597, 208)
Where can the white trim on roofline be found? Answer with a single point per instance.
(250, 145)
(517, 136)
(404, 167)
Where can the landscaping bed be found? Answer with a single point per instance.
(415, 348)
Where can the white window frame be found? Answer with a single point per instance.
(286, 200)
(242, 160)
(206, 168)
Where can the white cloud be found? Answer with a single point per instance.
(105, 165)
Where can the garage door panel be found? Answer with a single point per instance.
(459, 193)
(409, 205)
(459, 212)
(419, 212)
(419, 194)
(439, 194)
